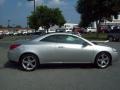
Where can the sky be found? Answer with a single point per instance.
(17, 11)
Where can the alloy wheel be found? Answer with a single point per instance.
(29, 62)
(103, 60)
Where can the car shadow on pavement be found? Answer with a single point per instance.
(67, 66)
(13, 65)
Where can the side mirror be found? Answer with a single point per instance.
(85, 44)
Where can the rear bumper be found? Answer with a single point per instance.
(13, 56)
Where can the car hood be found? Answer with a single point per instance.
(103, 45)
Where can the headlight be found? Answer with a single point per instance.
(114, 50)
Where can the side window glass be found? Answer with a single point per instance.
(49, 39)
(74, 40)
(61, 38)
(69, 39)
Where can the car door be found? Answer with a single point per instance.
(71, 49)
(47, 52)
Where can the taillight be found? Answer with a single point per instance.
(13, 46)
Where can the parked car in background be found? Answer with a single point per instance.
(60, 48)
(114, 35)
(104, 29)
(60, 30)
(69, 29)
(91, 29)
(79, 30)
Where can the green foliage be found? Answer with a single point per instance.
(94, 10)
(45, 17)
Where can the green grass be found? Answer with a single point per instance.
(95, 36)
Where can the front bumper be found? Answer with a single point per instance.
(115, 57)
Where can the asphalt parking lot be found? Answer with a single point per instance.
(58, 77)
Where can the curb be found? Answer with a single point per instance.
(100, 41)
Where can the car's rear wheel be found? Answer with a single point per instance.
(29, 62)
(103, 60)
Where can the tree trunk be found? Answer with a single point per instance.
(98, 28)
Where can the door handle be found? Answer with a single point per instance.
(60, 47)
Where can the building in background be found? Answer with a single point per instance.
(69, 26)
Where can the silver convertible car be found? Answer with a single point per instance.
(60, 48)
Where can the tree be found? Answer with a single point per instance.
(96, 10)
(45, 17)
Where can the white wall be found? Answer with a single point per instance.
(69, 26)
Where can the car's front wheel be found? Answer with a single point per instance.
(103, 60)
(29, 62)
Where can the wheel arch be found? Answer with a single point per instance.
(29, 53)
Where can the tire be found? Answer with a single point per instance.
(117, 40)
(111, 39)
(29, 62)
(103, 60)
